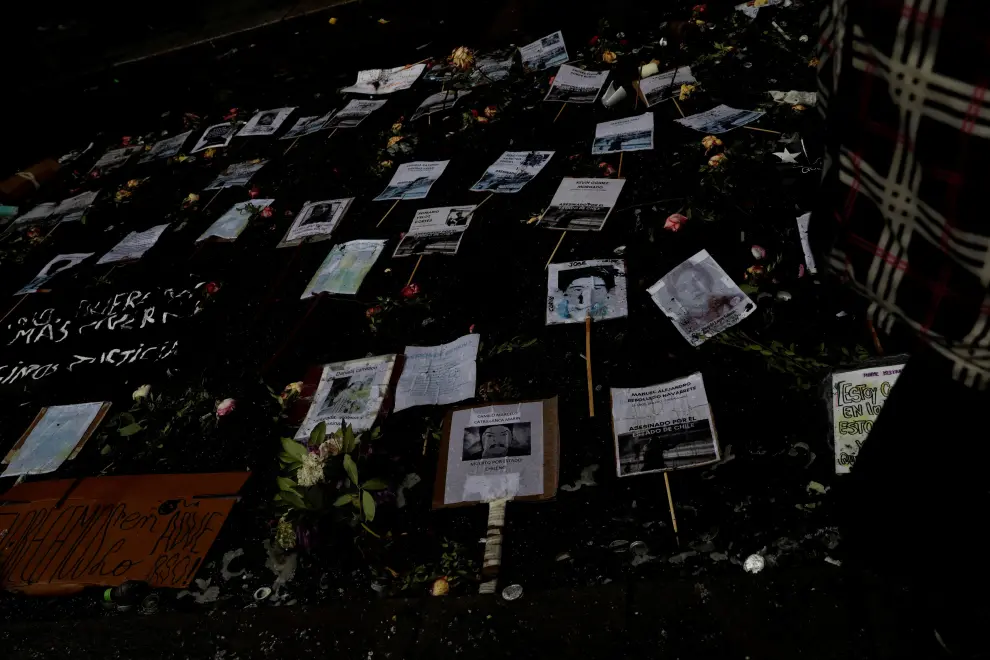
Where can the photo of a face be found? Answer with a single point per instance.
(458, 217)
(348, 396)
(585, 291)
(267, 119)
(700, 296)
(497, 441)
(319, 213)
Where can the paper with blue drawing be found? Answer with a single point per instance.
(56, 436)
(579, 289)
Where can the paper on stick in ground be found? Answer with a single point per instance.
(578, 289)
(351, 392)
(316, 220)
(53, 440)
(413, 180)
(266, 122)
(344, 268)
(435, 231)
(720, 119)
(700, 299)
(74, 208)
(238, 174)
(629, 134)
(166, 148)
(613, 95)
(438, 375)
(114, 158)
(218, 135)
(230, 225)
(439, 102)
(385, 81)
(352, 114)
(306, 126)
(663, 427)
(574, 85)
(665, 85)
(582, 204)
(133, 246)
(512, 171)
(857, 397)
(51, 269)
(37, 214)
(544, 53)
(803, 222)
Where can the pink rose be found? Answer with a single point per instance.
(674, 222)
(226, 407)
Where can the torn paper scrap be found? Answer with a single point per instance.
(438, 375)
(803, 222)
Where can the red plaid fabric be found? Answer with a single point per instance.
(903, 84)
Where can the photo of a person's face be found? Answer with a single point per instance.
(495, 441)
(583, 293)
(267, 119)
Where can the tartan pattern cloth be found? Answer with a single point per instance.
(903, 84)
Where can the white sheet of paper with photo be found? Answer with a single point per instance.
(352, 114)
(166, 148)
(74, 208)
(114, 158)
(487, 479)
(254, 128)
(307, 126)
(385, 81)
(668, 82)
(37, 214)
(213, 137)
(434, 221)
(701, 299)
(579, 79)
(47, 273)
(857, 397)
(53, 439)
(803, 222)
(597, 191)
(537, 56)
(677, 405)
(357, 399)
(344, 268)
(238, 174)
(302, 228)
(407, 173)
(439, 102)
(751, 10)
(720, 119)
(133, 246)
(230, 225)
(512, 171)
(438, 375)
(622, 127)
(588, 294)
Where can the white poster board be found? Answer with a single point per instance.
(582, 204)
(316, 220)
(165, 148)
(413, 180)
(720, 119)
(857, 397)
(436, 231)
(218, 135)
(352, 114)
(666, 85)
(238, 174)
(438, 375)
(579, 289)
(385, 81)
(351, 392)
(53, 439)
(629, 134)
(133, 246)
(266, 122)
(544, 53)
(344, 268)
(574, 85)
(512, 171)
(51, 269)
(230, 225)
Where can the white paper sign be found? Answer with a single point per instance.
(71, 209)
(316, 219)
(663, 427)
(582, 204)
(629, 134)
(133, 246)
(352, 114)
(266, 122)
(114, 158)
(344, 268)
(439, 102)
(306, 126)
(612, 95)
(413, 180)
(385, 81)
(857, 397)
(578, 289)
(803, 222)
(53, 439)
(166, 148)
(238, 174)
(230, 225)
(720, 119)
(665, 85)
(351, 392)
(700, 299)
(51, 269)
(435, 231)
(438, 375)
(574, 85)
(544, 53)
(218, 135)
(39, 213)
(512, 171)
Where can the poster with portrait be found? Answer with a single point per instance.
(700, 299)
(265, 122)
(507, 450)
(165, 148)
(230, 225)
(56, 435)
(352, 392)
(385, 81)
(544, 53)
(663, 427)
(579, 289)
(512, 171)
(51, 269)
(435, 231)
(316, 221)
(857, 397)
(438, 375)
(582, 204)
(216, 136)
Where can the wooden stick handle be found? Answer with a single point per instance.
(587, 359)
(762, 130)
(562, 106)
(619, 174)
(670, 501)
(387, 212)
(554, 253)
(493, 547)
(415, 268)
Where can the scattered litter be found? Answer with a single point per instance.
(802, 445)
(834, 562)
(206, 593)
(618, 546)
(282, 565)
(816, 487)
(754, 564)
(262, 593)
(717, 556)
(638, 548)
(227, 558)
(641, 559)
(512, 592)
(587, 479)
(784, 296)
(795, 97)
(619, 251)
(613, 95)
(679, 558)
(408, 482)
(803, 38)
(150, 604)
(564, 556)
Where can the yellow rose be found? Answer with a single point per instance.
(710, 142)
(609, 57)
(687, 90)
(716, 160)
(462, 58)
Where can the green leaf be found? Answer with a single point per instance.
(294, 449)
(350, 442)
(369, 505)
(342, 500)
(374, 484)
(293, 499)
(350, 467)
(318, 435)
(284, 483)
(130, 429)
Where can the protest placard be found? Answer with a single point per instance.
(544, 53)
(574, 85)
(352, 114)
(350, 392)
(666, 85)
(266, 122)
(133, 246)
(230, 225)
(629, 134)
(720, 119)
(512, 171)
(51, 269)
(316, 221)
(857, 397)
(238, 174)
(57, 434)
(582, 204)
(438, 102)
(165, 148)
(578, 289)
(344, 268)
(385, 81)
(435, 231)
(413, 180)
(218, 135)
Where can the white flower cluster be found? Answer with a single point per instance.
(311, 472)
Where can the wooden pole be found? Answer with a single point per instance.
(619, 174)
(387, 212)
(564, 105)
(587, 359)
(492, 561)
(16, 305)
(762, 130)
(678, 107)
(415, 268)
(670, 501)
(554, 253)
(876, 338)
(215, 195)
(290, 146)
(484, 200)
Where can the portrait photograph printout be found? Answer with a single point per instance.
(133, 246)
(73, 209)
(579, 289)
(574, 85)
(700, 299)
(230, 225)
(857, 397)
(55, 436)
(166, 148)
(352, 114)
(438, 375)
(218, 135)
(345, 268)
(720, 119)
(582, 204)
(52, 268)
(307, 126)
(413, 180)
(438, 102)
(435, 231)
(316, 220)
(544, 53)
(666, 85)
(663, 427)
(238, 174)
(114, 158)
(629, 134)
(266, 122)
(385, 81)
(512, 171)
(351, 392)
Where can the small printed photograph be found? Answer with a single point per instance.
(413, 189)
(581, 289)
(551, 40)
(348, 396)
(572, 94)
(667, 448)
(576, 217)
(497, 441)
(429, 243)
(321, 212)
(631, 141)
(459, 217)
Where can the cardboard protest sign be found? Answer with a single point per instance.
(133, 246)
(352, 114)
(60, 536)
(574, 85)
(345, 268)
(238, 174)
(857, 397)
(266, 122)
(413, 180)
(353, 392)
(436, 231)
(512, 171)
(491, 452)
(51, 269)
(230, 225)
(629, 134)
(578, 289)
(663, 427)
(316, 221)
(544, 53)
(700, 299)
(57, 434)
(438, 375)
(218, 135)
(666, 85)
(582, 204)
(721, 119)
(385, 81)
(165, 148)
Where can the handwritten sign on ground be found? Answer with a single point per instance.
(60, 536)
(857, 397)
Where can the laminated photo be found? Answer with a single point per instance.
(721, 119)
(218, 135)
(230, 225)
(385, 81)
(582, 204)
(306, 126)
(114, 159)
(544, 53)
(344, 268)
(700, 299)
(488, 68)
(574, 85)
(352, 114)
(413, 180)
(663, 427)
(266, 122)
(629, 134)
(438, 375)
(666, 85)
(51, 269)
(349, 392)
(857, 397)
(512, 171)
(238, 174)
(165, 148)
(133, 246)
(316, 221)
(579, 289)
(435, 231)
(57, 434)
(438, 102)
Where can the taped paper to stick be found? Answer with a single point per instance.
(351, 392)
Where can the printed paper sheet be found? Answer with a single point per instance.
(385, 81)
(857, 397)
(435, 231)
(316, 219)
(720, 119)
(114, 158)
(803, 223)
(629, 134)
(266, 122)
(438, 375)
(133, 246)
(166, 148)
(351, 392)
(578, 289)
(307, 126)
(230, 225)
(74, 208)
(345, 268)
(216, 136)
(544, 53)
(582, 204)
(413, 180)
(512, 171)
(53, 268)
(238, 174)
(439, 102)
(53, 439)
(352, 114)
(665, 85)
(574, 85)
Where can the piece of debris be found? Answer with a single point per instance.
(754, 564)
(587, 479)
(816, 487)
(225, 566)
(512, 592)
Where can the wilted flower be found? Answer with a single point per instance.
(393, 140)
(267, 212)
(674, 222)
(481, 120)
(141, 392)
(623, 42)
(134, 183)
(606, 169)
(440, 587)
(122, 195)
(462, 58)
(700, 8)
(609, 57)
(687, 90)
(94, 173)
(593, 41)
(293, 389)
(126, 140)
(212, 287)
(552, 78)
(716, 160)
(491, 110)
(254, 192)
(410, 290)
(190, 199)
(33, 233)
(232, 115)
(758, 252)
(471, 329)
(754, 271)
(332, 446)
(225, 407)
(814, 61)
(385, 164)
(373, 311)
(397, 126)
(210, 153)
(710, 141)
(311, 472)
(798, 108)
(332, 21)
(285, 534)
(800, 270)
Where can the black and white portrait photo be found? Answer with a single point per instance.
(497, 441)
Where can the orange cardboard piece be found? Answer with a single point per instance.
(57, 537)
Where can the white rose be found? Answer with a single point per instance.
(141, 392)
